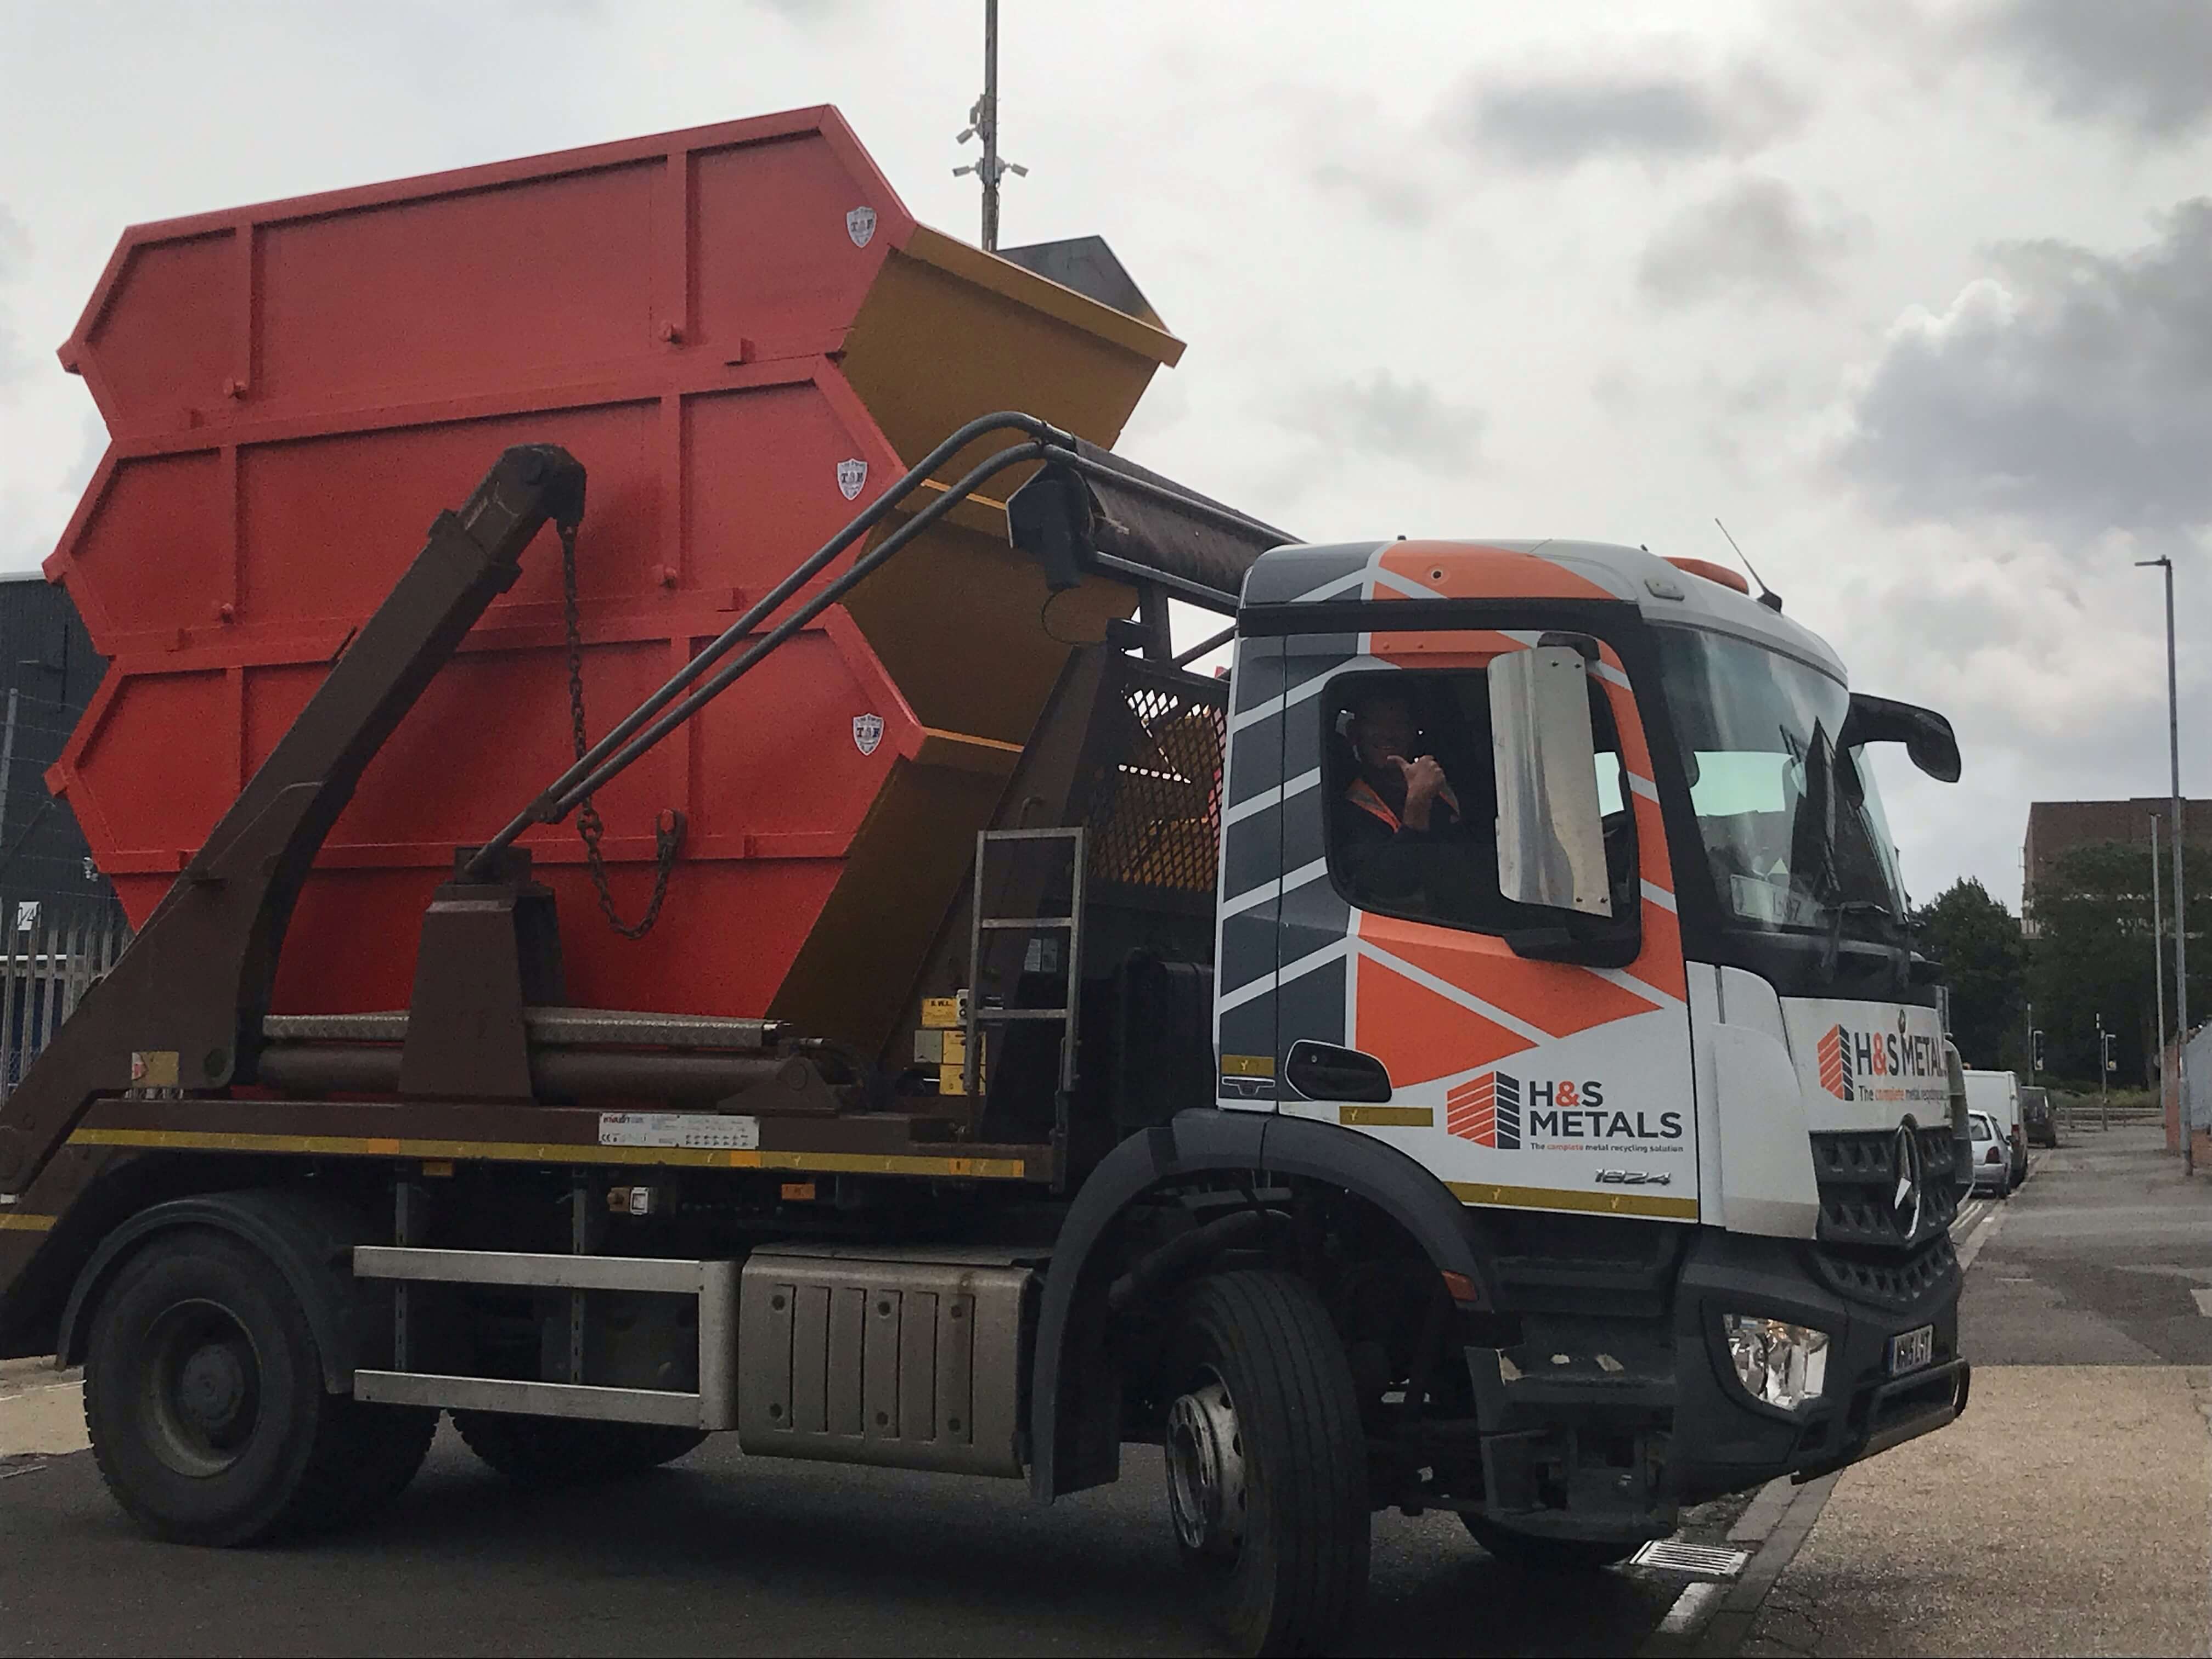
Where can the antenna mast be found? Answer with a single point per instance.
(1767, 596)
(983, 124)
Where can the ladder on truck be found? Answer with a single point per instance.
(1039, 929)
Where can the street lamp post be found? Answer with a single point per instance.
(2158, 967)
(2178, 834)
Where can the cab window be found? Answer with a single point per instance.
(1412, 805)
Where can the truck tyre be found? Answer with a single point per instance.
(1267, 1461)
(203, 1399)
(545, 1451)
(1527, 1552)
(390, 1443)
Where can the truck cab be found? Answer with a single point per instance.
(1643, 998)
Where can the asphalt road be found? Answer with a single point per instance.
(722, 1554)
(2104, 1258)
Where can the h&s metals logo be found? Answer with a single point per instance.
(1500, 1110)
(1849, 1061)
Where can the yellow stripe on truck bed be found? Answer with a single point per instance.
(524, 1151)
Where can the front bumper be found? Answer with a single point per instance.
(1612, 1411)
(1725, 1441)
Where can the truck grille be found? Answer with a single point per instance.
(1860, 1249)
(1857, 1177)
(1891, 1284)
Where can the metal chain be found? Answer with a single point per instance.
(667, 829)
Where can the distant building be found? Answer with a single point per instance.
(48, 672)
(2056, 827)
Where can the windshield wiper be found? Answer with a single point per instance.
(1831, 954)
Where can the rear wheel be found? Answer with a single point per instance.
(205, 1402)
(542, 1451)
(1266, 1463)
(390, 1443)
(1527, 1552)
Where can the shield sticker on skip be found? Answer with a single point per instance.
(851, 475)
(867, 733)
(861, 226)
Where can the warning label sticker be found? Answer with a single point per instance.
(713, 1131)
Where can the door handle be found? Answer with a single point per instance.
(1323, 1071)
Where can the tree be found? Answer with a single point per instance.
(1984, 959)
(2093, 956)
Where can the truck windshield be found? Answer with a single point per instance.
(1792, 824)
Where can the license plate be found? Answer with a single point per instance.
(1909, 1350)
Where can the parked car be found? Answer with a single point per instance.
(1992, 1167)
(2039, 1116)
(1997, 1093)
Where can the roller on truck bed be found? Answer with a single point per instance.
(1469, 1056)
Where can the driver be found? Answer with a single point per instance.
(1399, 805)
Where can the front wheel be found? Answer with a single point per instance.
(1527, 1552)
(1267, 1461)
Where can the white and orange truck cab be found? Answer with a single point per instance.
(1662, 1032)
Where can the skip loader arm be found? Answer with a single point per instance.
(183, 1007)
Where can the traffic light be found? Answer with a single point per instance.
(2111, 1064)
(2035, 1051)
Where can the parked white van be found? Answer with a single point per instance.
(1997, 1093)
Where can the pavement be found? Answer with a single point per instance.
(41, 1411)
(2069, 1510)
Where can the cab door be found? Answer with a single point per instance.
(1521, 1082)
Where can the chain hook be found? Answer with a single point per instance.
(668, 826)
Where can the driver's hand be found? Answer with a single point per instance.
(1425, 784)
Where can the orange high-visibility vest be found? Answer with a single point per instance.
(1362, 794)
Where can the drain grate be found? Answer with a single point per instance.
(1671, 1555)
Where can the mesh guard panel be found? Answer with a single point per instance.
(1155, 807)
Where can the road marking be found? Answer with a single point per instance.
(2203, 1302)
(1682, 1617)
(1982, 1235)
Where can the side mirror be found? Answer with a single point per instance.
(1551, 827)
(1926, 735)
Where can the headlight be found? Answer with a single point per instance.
(1778, 1364)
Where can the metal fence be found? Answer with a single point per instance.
(50, 953)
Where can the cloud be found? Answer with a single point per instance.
(2145, 65)
(1756, 237)
(1397, 419)
(1555, 121)
(2073, 387)
(14, 261)
(1384, 190)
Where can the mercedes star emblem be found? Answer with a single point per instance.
(1904, 1204)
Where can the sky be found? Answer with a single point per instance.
(1914, 296)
